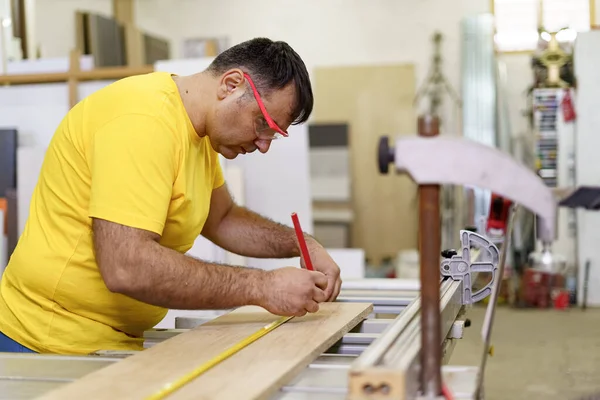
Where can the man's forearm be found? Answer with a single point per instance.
(249, 234)
(166, 278)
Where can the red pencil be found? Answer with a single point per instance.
(302, 243)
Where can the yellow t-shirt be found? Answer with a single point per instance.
(128, 153)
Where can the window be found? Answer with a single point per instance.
(517, 21)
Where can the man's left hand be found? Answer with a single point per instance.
(322, 262)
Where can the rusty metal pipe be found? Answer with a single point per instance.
(429, 250)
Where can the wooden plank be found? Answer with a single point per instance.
(374, 100)
(91, 75)
(256, 372)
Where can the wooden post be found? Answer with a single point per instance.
(74, 57)
(429, 253)
(123, 11)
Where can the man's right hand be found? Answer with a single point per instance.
(293, 291)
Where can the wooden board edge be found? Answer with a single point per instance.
(288, 376)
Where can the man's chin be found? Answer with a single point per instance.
(228, 153)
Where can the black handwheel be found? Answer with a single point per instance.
(449, 253)
(386, 155)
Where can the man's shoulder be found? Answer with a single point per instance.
(146, 88)
(156, 80)
(139, 97)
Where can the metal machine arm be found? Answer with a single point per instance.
(432, 160)
(459, 161)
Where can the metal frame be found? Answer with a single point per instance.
(390, 366)
(25, 376)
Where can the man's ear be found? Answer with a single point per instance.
(230, 82)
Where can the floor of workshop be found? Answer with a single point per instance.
(538, 354)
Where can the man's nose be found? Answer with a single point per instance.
(263, 145)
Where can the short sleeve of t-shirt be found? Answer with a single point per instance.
(134, 161)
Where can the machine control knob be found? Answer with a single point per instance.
(449, 253)
(385, 155)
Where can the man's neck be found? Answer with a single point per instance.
(190, 90)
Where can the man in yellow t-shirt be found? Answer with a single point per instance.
(130, 179)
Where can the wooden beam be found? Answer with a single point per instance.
(74, 58)
(255, 372)
(91, 75)
(134, 46)
(123, 11)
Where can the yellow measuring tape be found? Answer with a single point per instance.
(171, 387)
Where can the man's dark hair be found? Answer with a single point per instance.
(272, 65)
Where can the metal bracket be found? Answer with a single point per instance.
(460, 268)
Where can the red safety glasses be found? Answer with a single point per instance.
(270, 130)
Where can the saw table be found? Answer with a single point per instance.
(26, 376)
(395, 319)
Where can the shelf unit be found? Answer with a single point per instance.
(74, 75)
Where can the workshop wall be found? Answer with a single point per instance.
(325, 33)
(330, 33)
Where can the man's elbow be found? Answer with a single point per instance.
(117, 277)
(118, 250)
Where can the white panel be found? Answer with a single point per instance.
(329, 161)
(323, 214)
(330, 173)
(35, 110)
(351, 262)
(29, 164)
(335, 188)
(587, 59)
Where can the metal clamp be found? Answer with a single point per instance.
(459, 266)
